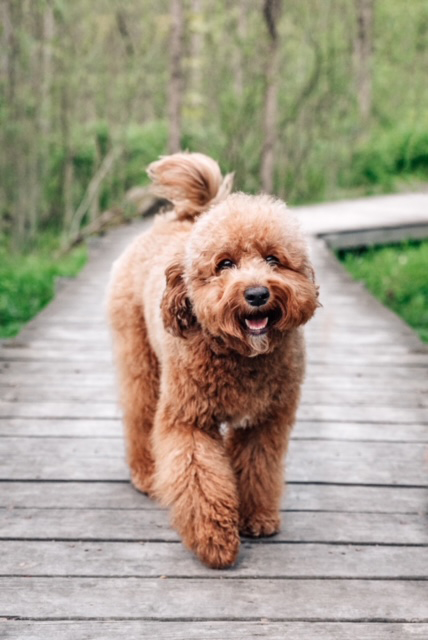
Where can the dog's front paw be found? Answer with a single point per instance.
(217, 547)
(142, 481)
(214, 540)
(259, 525)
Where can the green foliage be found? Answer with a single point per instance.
(398, 276)
(89, 145)
(98, 76)
(102, 137)
(143, 144)
(27, 282)
(389, 155)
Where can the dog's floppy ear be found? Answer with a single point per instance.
(310, 274)
(176, 308)
(317, 287)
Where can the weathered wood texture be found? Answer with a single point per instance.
(83, 555)
(215, 599)
(209, 630)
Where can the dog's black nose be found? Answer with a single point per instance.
(257, 296)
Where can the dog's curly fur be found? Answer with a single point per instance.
(194, 354)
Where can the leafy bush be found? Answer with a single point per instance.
(401, 151)
(143, 144)
(398, 276)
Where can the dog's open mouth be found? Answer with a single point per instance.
(260, 323)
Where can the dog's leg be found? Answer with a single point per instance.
(194, 477)
(139, 390)
(257, 457)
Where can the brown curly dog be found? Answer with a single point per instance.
(205, 309)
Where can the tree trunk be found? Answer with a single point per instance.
(68, 166)
(242, 30)
(67, 191)
(46, 71)
(272, 12)
(194, 96)
(16, 192)
(363, 53)
(176, 79)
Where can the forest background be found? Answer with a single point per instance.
(307, 99)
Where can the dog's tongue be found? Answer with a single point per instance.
(256, 323)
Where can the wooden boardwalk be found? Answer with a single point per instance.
(82, 555)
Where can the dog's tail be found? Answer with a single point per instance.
(191, 181)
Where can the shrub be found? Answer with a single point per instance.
(398, 276)
(402, 151)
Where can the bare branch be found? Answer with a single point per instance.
(93, 189)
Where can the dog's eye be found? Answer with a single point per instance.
(272, 260)
(225, 264)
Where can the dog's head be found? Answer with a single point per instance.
(245, 277)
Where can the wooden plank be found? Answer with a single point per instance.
(381, 354)
(76, 393)
(338, 413)
(395, 370)
(58, 410)
(63, 338)
(239, 599)
(138, 525)
(63, 459)
(325, 338)
(60, 428)
(297, 497)
(359, 357)
(65, 333)
(343, 329)
(351, 298)
(358, 397)
(323, 354)
(363, 413)
(350, 381)
(346, 462)
(25, 381)
(25, 558)
(353, 309)
(313, 430)
(364, 213)
(364, 431)
(52, 316)
(8, 367)
(325, 318)
(209, 630)
(343, 337)
(360, 463)
(65, 347)
(23, 354)
(371, 237)
(364, 381)
(108, 393)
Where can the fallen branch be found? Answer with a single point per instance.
(143, 202)
(91, 193)
(104, 221)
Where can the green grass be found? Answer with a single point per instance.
(398, 276)
(27, 281)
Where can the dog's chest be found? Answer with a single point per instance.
(238, 395)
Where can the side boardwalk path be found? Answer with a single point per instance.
(82, 555)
